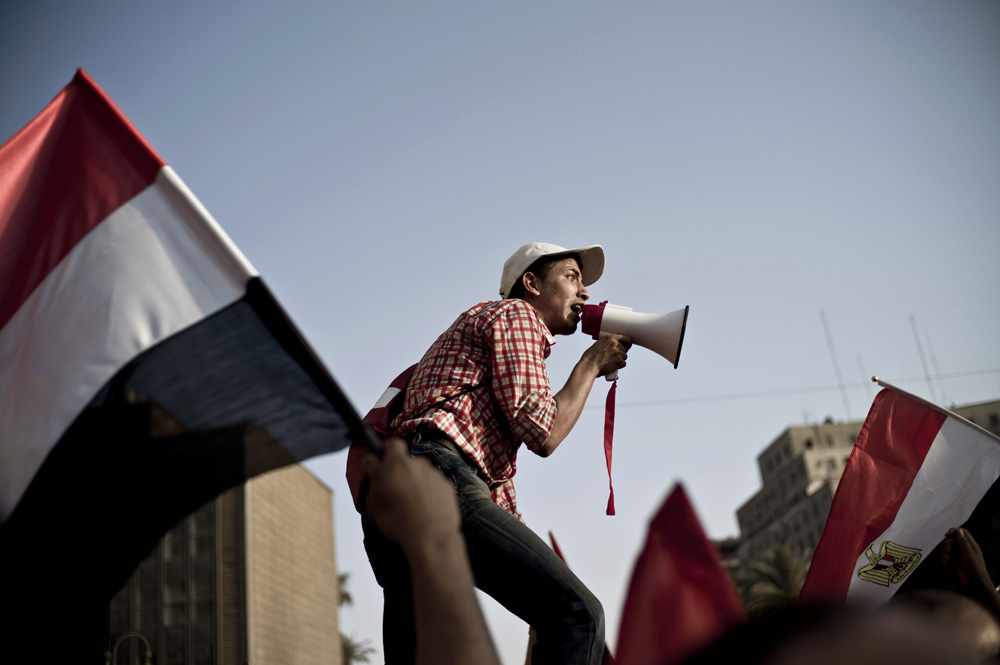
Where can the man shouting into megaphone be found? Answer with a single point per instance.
(478, 393)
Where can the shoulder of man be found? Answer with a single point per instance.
(512, 310)
(511, 307)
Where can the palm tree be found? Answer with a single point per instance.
(773, 580)
(345, 595)
(355, 651)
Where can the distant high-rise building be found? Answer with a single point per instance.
(249, 577)
(800, 471)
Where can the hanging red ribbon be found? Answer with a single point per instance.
(609, 435)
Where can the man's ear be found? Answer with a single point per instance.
(531, 283)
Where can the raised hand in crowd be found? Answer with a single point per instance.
(414, 505)
(961, 551)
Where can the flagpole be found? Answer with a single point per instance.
(934, 406)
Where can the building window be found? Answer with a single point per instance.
(174, 615)
(176, 643)
(174, 572)
(809, 443)
(147, 574)
(831, 464)
(994, 420)
(148, 621)
(119, 623)
(174, 594)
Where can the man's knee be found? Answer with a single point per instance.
(576, 635)
(583, 610)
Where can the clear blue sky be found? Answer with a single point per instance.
(760, 162)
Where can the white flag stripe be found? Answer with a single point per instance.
(199, 232)
(959, 469)
(155, 266)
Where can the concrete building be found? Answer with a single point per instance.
(249, 577)
(799, 473)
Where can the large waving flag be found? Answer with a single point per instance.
(916, 471)
(144, 366)
(680, 597)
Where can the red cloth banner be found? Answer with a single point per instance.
(680, 597)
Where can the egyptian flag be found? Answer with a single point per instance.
(144, 366)
(916, 471)
(680, 597)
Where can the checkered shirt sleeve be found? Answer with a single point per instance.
(520, 383)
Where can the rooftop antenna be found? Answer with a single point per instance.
(923, 363)
(836, 365)
(934, 365)
(864, 380)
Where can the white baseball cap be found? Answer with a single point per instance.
(591, 263)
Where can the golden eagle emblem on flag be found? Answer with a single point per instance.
(890, 564)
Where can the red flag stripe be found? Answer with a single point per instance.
(87, 294)
(555, 547)
(890, 450)
(60, 176)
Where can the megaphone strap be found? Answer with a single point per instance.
(609, 435)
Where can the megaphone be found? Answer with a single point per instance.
(661, 333)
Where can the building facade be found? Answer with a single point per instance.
(799, 473)
(250, 577)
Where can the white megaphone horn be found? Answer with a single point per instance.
(661, 333)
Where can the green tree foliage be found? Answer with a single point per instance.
(355, 651)
(773, 580)
(345, 595)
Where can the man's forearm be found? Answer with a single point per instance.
(570, 402)
(413, 505)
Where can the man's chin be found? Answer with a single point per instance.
(569, 327)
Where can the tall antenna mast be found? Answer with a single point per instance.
(923, 363)
(868, 389)
(836, 365)
(934, 366)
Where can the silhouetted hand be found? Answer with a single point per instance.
(963, 553)
(410, 501)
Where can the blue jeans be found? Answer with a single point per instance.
(509, 562)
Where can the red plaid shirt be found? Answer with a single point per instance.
(504, 344)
